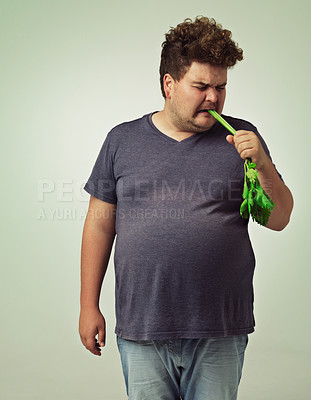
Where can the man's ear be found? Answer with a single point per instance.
(168, 83)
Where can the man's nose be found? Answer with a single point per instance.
(211, 95)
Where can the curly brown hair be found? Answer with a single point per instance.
(202, 40)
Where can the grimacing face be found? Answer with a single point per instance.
(202, 87)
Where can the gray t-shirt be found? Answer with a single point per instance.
(183, 259)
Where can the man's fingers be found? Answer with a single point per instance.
(244, 146)
(230, 139)
(102, 337)
(92, 345)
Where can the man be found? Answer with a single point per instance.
(169, 187)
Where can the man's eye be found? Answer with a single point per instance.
(202, 88)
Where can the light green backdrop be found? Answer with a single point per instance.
(70, 71)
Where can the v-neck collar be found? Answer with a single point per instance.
(169, 138)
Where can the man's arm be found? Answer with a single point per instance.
(248, 146)
(279, 193)
(97, 240)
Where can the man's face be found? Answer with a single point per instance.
(203, 87)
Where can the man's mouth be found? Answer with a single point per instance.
(205, 110)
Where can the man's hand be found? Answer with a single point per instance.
(92, 323)
(248, 146)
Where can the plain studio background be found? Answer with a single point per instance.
(70, 71)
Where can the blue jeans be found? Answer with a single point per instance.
(188, 369)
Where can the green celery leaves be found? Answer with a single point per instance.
(256, 202)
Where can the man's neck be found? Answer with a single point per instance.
(162, 122)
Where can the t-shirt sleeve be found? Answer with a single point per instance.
(101, 183)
